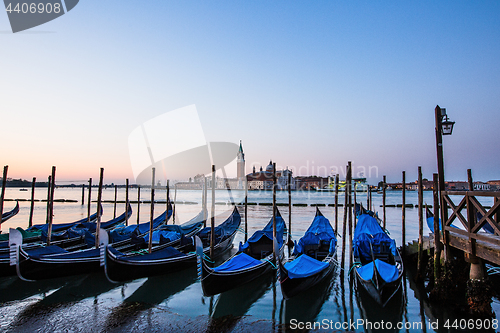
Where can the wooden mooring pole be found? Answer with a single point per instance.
(420, 263)
(126, 201)
(350, 207)
(437, 233)
(138, 203)
(83, 194)
(403, 215)
(274, 214)
(290, 242)
(49, 182)
(32, 205)
(212, 220)
(151, 215)
(99, 213)
(344, 225)
(246, 210)
(354, 207)
(2, 195)
(383, 200)
(51, 205)
(337, 203)
(168, 201)
(114, 205)
(89, 200)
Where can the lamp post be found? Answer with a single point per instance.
(443, 127)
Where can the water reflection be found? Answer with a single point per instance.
(373, 315)
(151, 293)
(306, 306)
(231, 306)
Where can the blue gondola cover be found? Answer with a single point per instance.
(304, 266)
(319, 230)
(268, 232)
(370, 235)
(240, 261)
(387, 271)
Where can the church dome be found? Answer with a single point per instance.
(269, 168)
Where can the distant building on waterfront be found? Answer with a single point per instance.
(263, 179)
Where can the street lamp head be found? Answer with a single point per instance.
(447, 126)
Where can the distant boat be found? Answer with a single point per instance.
(23, 189)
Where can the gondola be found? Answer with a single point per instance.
(378, 266)
(253, 259)
(36, 233)
(53, 261)
(312, 259)
(169, 258)
(78, 237)
(8, 215)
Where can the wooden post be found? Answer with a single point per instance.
(344, 225)
(4, 185)
(497, 215)
(32, 206)
(175, 201)
(471, 215)
(350, 205)
(371, 202)
(138, 203)
(116, 197)
(51, 206)
(289, 209)
(83, 194)
(274, 214)
(212, 221)
(99, 213)
(246, 210)
(420, 225)
(151, 216)
(48, 199)
(403, 215)
(337, 203)
(126, 201)
(354, 206)
(205, 203)
(437, 234)
(383, 199)
(89, 200)
(368, 197)
(168, 201)
(442, 184)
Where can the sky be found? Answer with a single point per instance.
(310, 85)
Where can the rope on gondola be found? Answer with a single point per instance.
(356, 264)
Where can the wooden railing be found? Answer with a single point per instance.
(471, 223)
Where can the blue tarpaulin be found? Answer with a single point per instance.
(120, 234)
(369, 235)
(387, 271)
(240, 261)
(225, 229)
(304, 266)
(319, 230)
(268, 232)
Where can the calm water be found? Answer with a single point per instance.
(175, 302)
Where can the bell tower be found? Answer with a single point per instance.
(240, 168)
